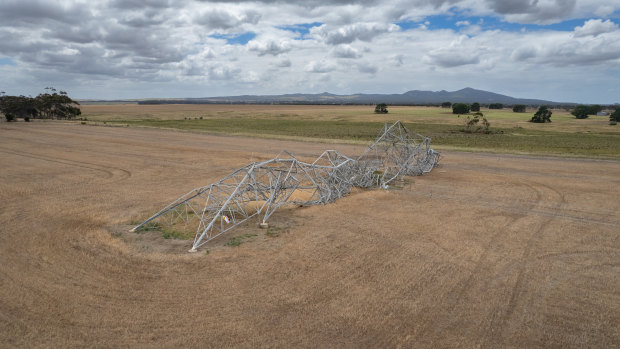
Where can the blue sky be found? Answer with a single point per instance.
(456, 22)
(6, 61)
(301, 29)
(560, 50)
(236, 39)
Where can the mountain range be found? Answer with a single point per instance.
(414, 97)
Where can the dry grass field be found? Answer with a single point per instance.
(488, 250)
(510, 132)
(561, 120)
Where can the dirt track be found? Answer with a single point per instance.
(487, 250)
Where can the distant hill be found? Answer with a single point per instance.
(415, 97)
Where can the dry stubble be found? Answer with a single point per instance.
(487, 250)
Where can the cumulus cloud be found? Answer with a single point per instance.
(350, 33)
(595, 27)
(523, 53)
(450, 58)
(269, 47)
(283, 63)
(367, 68)
(321, 66)
(218, 71)
(226, 20)
(533, 11)
(140, 4)
(397, 59)
(458, 52)
(566, 49)
(346, 51)
(338, 45)
(25, 13)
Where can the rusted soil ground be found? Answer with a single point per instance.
(487, 250)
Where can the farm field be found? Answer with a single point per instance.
(487, 250)
(511, 132)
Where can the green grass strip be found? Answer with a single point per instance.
(511, 140)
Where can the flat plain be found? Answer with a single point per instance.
(510, 132)
(487, 250)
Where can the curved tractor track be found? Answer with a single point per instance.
(485, 251)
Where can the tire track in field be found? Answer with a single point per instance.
(518, 266)
(460, 290)
(519, 289)
(109, 171)
(527, 253)
(493, 243)
(542, 211)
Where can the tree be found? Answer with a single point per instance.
(460, 108)
(381, 108)
(57, 105)
(614, 118)
(446, 105)
(475, 106)
(46, 105)
(519, 108)
(17, 107)
(542, 115)
(496, 106)
(581, 112)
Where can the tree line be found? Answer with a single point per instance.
(52, 104)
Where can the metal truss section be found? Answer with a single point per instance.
(399, 152)
(261, 188)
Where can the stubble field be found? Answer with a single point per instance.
(488, 250)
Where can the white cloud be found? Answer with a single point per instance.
(166, 48)
(447, 58)
(321, 66)
(219, 19)
(346, 51)
(350, 33)
(595, 27)
(269, 47)
(367, 68)
(397, 59)
(283, 63)
(461, 51)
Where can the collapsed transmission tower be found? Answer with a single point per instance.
(260, 188)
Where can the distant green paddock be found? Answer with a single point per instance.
(513, 133)
(444, 136)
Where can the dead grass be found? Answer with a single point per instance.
(486, 251)
(510, 132)
(562, 121)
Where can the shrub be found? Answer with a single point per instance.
(460, 108)
(496, 106)
(381, 108)
(542, 115)
(475, 106)
(473, 125)
(446, 105)
(9, 117)
(519, 108)
(581, 112)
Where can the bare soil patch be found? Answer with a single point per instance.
(487, 250)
